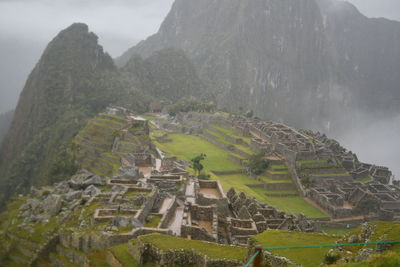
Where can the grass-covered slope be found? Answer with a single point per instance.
(211, 250)
(305, 257)
(310, 257)
(186, 147)
(99, 146)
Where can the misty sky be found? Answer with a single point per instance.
(26, 26)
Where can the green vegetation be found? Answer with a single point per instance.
(153, 223)
(258, 164)
(191, 104)
(196, 163)
(368, 205)
(93, 144)
(273, 181)
(292, 204)
(390, 230)
(335, 231)
(98, 258)
(5, 122)
(212, 250)
(366, 179)
(388, 259)
(187, 147)
(307, 257)
(231, 133)
(331, 174)
(121, 253)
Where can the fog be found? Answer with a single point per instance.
(26, 26)
(378, 8)
(374, 141)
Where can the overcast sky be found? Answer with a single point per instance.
(26, 27)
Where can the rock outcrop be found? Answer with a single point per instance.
(296, 60)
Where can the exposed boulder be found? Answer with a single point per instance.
(72, 195)
(84, 179)
(92, 191)
(52, 204)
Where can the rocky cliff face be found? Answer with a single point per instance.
(66, 86)
(5, 121)
(306, 62)
(167, 73)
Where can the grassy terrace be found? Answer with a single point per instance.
(294, 204)
(121, 253)
(335, 231)
(271, 181)
(366, 180)
(187, 147)
(231, 133)
(331, 174)
(307, 257)
(211, 250)
(278, 167)
(153, 223)
(222, 139)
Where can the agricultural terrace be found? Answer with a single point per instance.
(186, 147)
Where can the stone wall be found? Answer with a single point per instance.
(147, 207)
(112, 260)
(236, 160)
(196, 233)
(227, 172)
(167, 217)
(147, 253)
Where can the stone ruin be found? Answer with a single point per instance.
(338, 180)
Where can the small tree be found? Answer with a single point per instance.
(368, 205)
(196, 163)
(305, 180)
(249, 113)
(258, 164)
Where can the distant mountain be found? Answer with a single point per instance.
(167, 73)
(73, 80)
(311, 63)
(5, 121)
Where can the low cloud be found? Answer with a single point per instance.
(26, 26)
(375, 141)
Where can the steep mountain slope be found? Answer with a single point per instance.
(73, 80)
(5, 121)
(167, 73)
(306, 62)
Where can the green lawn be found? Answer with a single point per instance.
(231, 133)
(278, 167)
(237, 181)
(121, 253)
(331, 174)
(335, 231)
(153, 223)
(272, 181)
(307, 257)
(212, 250)
(187, 147)
(295, 204)
(222, 139)
(366, 180)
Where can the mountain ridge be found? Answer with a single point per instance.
(295, 61)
